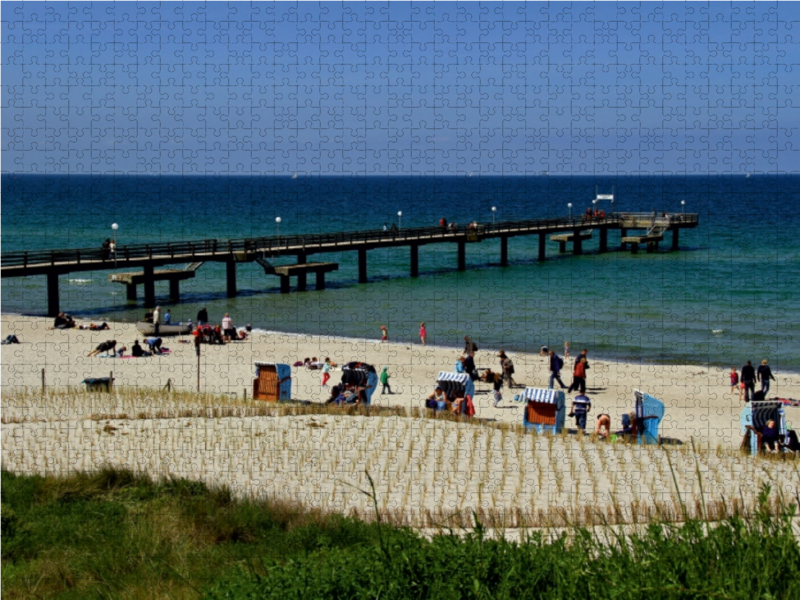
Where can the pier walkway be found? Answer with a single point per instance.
(53, 263)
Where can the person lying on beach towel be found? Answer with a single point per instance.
(154, 344)
(789, 401)
(103, 348)
(10, 339)
(92, 327)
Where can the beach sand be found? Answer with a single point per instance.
(418, 464)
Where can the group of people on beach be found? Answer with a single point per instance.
(746, 383)
(109, 349)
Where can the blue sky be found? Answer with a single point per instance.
(325, 88)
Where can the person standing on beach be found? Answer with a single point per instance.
(734, 380)
(555, 370)
(566, 349)
(583, 355)
(470, 347)
(579, 376)
(764, 375)
(228, 330)
(202, 316)
(157, 320)
(748, 381)
(168, 317)
(326, 372)
(498, 389)
(423, 334)
(384, 334)
(581, 405)
(507, 366)
(385, 380)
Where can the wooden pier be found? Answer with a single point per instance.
(146, 257)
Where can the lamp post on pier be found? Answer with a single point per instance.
(683, 206)
(278, 225)
(494, 212)
(114, 226)
(569, 206)
(399, 219)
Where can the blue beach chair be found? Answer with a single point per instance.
(649, 414)
(273, 382)
(753, 418)
(545, 410)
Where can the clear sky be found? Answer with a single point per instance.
(452, 88)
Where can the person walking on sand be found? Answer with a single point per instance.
(168, 317)
(555, 370)
(764, 374)
(579, 376)
(507, 366)
(385, 380)
(202, 316)
(423, 334)
(734, 380)
(326, 372)
(384, 334)
(566, 349)
(748, 381)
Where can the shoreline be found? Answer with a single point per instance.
(619, 360)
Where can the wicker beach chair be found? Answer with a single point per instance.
(544, 410)
(752, 420)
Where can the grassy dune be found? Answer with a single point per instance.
(113, 534)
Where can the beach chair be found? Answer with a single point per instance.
(362, 376)
(649, 414)
(753, 418)
(544, 411)
(98, 384)
(273, 382)
(456, 385)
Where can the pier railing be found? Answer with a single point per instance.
(321, 241)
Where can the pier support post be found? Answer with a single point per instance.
(623, 233)
(634, 248)
(320, 280)
(52, 295)
(284, 284)
(675, 237)
(603, 240)
(577, 243)
(149, 287)
(504, 251)
(301, 258)
(652, 247)
(542, 240)
(462, 256)
(174, 290)
(414, 248)
(130, 292)
(230, 271)
(301, 282)
(562, 247)
(362, 265)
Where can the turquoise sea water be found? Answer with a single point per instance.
(731, 294)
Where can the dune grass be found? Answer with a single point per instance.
(116, 534)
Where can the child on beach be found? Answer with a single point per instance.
(384, 334)
(422, 333)
(385, 380)
(326, 372)
(566, 349)
(734, 380)
(498, 386)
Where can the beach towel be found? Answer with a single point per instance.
(787, 401)
(470, 410)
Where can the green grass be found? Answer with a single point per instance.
(117, 535)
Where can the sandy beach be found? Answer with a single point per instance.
(418, 464)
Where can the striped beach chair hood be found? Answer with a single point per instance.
(542, 395)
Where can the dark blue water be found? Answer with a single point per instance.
(738, 274)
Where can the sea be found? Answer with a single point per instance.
(730, 294)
